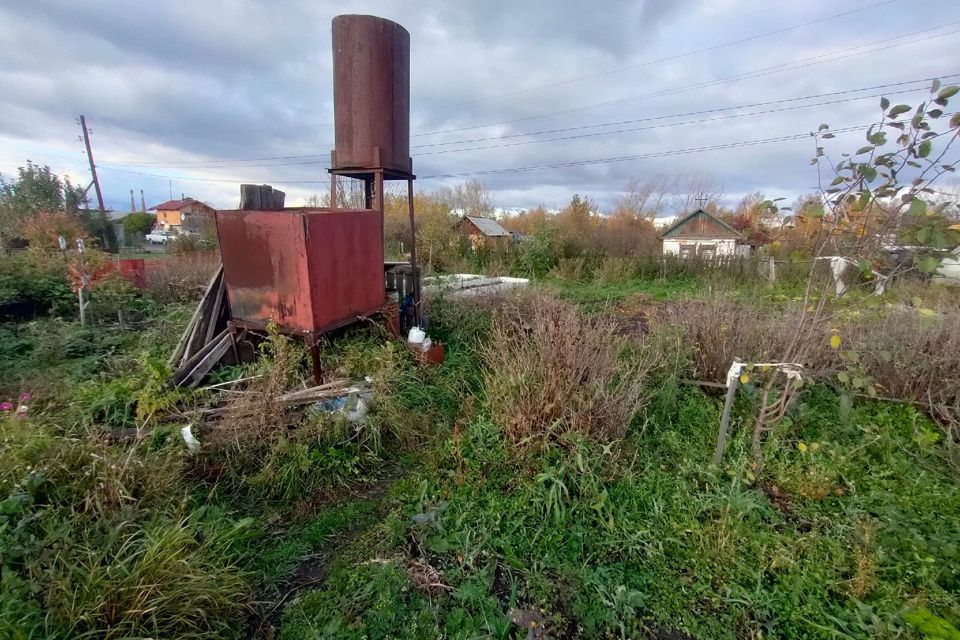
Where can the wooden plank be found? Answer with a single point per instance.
(177, 356)
(300, 393)
(218, 302)
(179, 353)
(261, 197)
(207, 362)
(204, 319)
(250, 197)
(278, 199)
(266, 197)
(187, 368)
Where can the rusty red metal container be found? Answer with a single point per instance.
(371, 92)
(309, 270)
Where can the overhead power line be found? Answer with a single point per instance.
(557, 165)
(670, 124)
(670, 58)
(918, 82)
(167, 176)
(798, 64)
(639, 156)
(824, 58)
(660, 126)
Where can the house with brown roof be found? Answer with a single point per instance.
(700, 235)
(185, 214)
(481, 231)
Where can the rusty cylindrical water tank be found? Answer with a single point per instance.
(371, 92)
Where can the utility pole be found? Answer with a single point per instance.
(93, 167)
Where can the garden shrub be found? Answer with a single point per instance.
(913, 357)
(536, 255)
(717, 328)
(38, 277)
(613, 269)
(578, 269)
(550, 370)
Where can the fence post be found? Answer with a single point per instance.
(733, 379)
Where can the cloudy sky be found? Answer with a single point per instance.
(195, 97)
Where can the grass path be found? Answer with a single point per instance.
(315, 546)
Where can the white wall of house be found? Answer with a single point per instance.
(949, 270)
(699, 246)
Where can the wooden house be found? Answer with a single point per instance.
(483, 231)
(701, 235)
(185, 214)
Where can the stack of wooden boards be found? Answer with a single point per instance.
(206, 339)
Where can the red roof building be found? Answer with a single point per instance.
(183, 213)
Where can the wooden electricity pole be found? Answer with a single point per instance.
(93, 167)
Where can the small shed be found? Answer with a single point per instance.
(701, 235)
(482, 231)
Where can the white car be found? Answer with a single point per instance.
(160, 237)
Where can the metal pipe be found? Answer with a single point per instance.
(333, 182)
(413, 253)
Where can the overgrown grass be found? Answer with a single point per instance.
(655, 540)
(101, 539)
(594, 296)
(427, 521)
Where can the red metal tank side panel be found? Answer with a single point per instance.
(346, 265)
(265, 267)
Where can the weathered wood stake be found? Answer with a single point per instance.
(725, 418)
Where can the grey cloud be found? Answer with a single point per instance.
(178, 82)
(613, 27)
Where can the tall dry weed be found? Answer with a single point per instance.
(181, 278)
(903, 354)
(257, 413)
(717, 329)
(549, 370)
(915, 358)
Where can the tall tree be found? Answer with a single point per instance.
(698, 191)
(646, 198)
(472, 198)
(36, 189)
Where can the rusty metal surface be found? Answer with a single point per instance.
(345, 264)
(371, 89)
(306, 269)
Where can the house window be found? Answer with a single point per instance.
(707, 251)
(688, 250)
